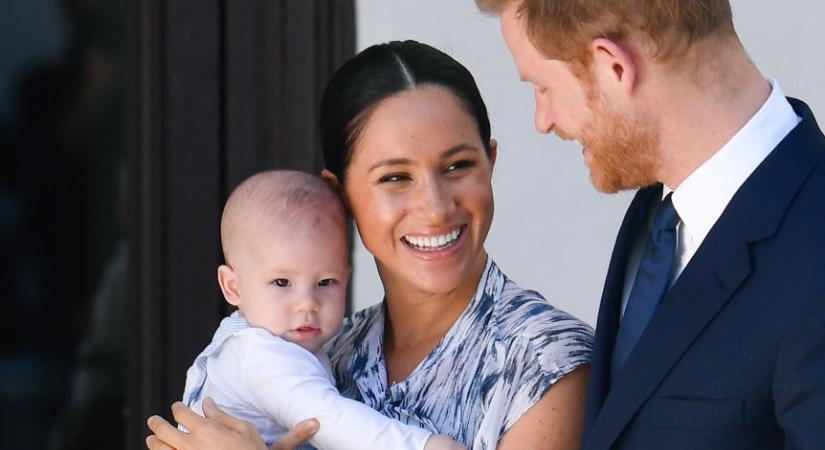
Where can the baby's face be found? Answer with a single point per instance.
(294, 283)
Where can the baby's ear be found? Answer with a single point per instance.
(228, 282)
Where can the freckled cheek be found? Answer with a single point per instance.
(479, 194)
(378, 217)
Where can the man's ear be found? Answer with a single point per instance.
(228, 282)
(614, 65)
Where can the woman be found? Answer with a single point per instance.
(455, 346)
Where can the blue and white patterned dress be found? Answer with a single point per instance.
(502, 354)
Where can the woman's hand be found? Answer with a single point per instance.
(218, 431)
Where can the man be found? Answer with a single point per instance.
(711, 330)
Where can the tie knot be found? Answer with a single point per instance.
(666, 216)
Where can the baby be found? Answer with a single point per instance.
(284, 239)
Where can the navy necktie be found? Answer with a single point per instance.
(652, 280)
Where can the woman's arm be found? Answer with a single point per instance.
(555, 421)
(218, 431)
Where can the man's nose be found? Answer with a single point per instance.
(544, 114)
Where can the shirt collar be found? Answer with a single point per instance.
(705, 193)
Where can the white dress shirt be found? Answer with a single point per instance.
(703, 196)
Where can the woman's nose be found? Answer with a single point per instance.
(435, 200)
(544, 115)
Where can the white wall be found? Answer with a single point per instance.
(551, 231)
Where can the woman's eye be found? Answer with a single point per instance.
(393, 178)
(280, 282)
(459, 165)
(326, 282)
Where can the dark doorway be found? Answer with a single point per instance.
(124, 124)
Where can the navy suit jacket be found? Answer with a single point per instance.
(734, 356)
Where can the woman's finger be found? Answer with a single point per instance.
(219, 432)
(213, 412)
(153, 443)
(296, 436)
(185, 416)
(167, 433)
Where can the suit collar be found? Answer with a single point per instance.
(701, 198)
(720, 266)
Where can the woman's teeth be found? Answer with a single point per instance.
(433, 242)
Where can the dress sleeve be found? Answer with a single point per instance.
(289, 384)
(550, 345)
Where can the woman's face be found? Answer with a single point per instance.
(418, 186)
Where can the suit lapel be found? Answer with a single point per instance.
(713, 275)
(707, 282)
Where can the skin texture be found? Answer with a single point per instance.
(555, 422)
(419, 169)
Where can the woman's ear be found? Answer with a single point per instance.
(493, 152)
(228, 282)
(614, 65)
(332, 181)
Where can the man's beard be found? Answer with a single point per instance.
(623, 147)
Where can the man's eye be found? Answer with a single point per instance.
(326, 282)
(280, 282)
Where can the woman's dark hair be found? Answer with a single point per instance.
(382, 71)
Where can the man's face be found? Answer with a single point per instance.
(561, 100)
(620, 146)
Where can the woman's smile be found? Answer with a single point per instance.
(436, 246)
(434, 242)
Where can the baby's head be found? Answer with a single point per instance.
(284, 240)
